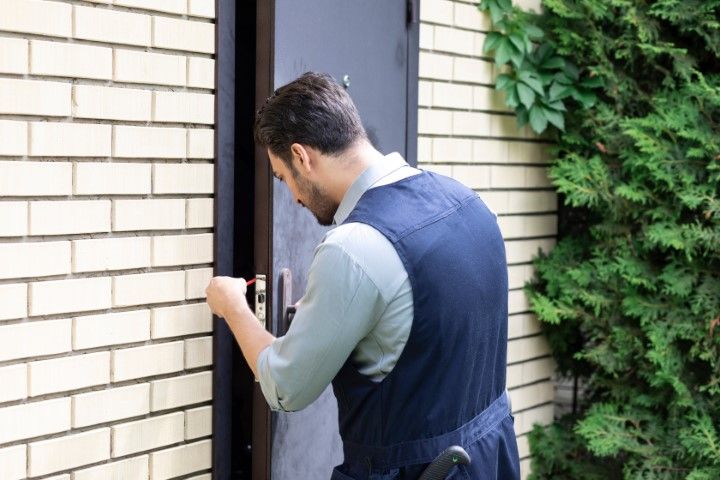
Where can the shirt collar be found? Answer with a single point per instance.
(365, 181)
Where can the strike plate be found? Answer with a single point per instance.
(261, 300)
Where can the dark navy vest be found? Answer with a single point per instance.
(448, 386)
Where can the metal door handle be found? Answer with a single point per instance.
(287, 308)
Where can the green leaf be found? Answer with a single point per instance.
(555, 117)
(504, 81)
(532, 81)
(517, 41)
(503, 52)
(505, 5)
(522, 116)
(554, 63)
(592, 82)
(586, 98)
(496, 12)
(533, 32)
(572, 71)
(543, 52)
(538, 120)
(517, 57)
(491, 41)
(511, 98)
(526, 95)
(559, 91)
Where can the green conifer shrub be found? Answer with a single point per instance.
(629, 299)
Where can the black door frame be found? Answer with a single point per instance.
(231, 193)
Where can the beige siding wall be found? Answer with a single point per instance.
(106, 185)
(467, 132)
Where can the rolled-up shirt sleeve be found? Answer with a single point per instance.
(340, 307)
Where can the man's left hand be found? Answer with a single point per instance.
(226, 294)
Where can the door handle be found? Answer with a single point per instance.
(287, 308)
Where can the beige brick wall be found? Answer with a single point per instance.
(106, 244)
(467, 132)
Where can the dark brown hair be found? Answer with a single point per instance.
(312, 110)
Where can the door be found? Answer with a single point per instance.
(370, 47)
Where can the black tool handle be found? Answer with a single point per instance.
(440, 468)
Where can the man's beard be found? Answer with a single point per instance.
(318, 201)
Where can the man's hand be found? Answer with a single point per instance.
(226, 295)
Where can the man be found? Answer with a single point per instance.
(406, 304)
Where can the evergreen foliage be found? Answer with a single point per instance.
(629, 298)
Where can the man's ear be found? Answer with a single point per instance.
(301, 158)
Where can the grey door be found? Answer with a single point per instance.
(371, 46)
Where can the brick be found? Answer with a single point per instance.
(456, 150)
(181, 320)
(531, 395)
(112, 178)
(68, 373)
(13, 219)
(468, 16)
(198, 422)
(439, 169)
(68, 217)
(526, 152)
(519, 177)
(473, 70)
(207, 476)
(68, 452)
(35, 178)
(198, 352)
(13, 137)
(479, 43)
(185, 35)
(22, 340)
(67, 475)
(14, 383)
(93, 331)
(146, 361)
(104, 254)
(148, 142)
(202, 8)
(200, 143)
(201, 72)
(183, 178)
(132, 468)
(110, 405)
(520, 251)
(181, 460)
(490, 151)
(434, 122)
(63, 296)
(13, 301)
(517, 302)
(69, 139)
(13, 55)
(179, 391)
(34, 16)
(523, 349)
(111, 26)
(452, 95)
(147, 434)
(199, 213)
(437, 11)
(454, 41)
(109, 103)
(34, 97)
(435, 66)
(523, 325)
(524, 421)
(528, 202)
(34, 419)
(13, 462)
(487, 98)
(425, 147)
(523, 446)
(171, 250)
(505, 126)
(474, 176)
(425, 94)
(165, 214)
(534, 5)
(426, 36)
(170, 6)
(34, 259)
(535, 370)
(146, 288)
(150, 68)
(518, 226)
(59, 59)
(519, 274)
(184, 107)
(196, 282)
(471, 124)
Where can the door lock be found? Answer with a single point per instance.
(261, 299)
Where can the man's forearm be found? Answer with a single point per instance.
(249, 333)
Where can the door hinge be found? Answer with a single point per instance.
(412, 11)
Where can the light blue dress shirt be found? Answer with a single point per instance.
(358, 304)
